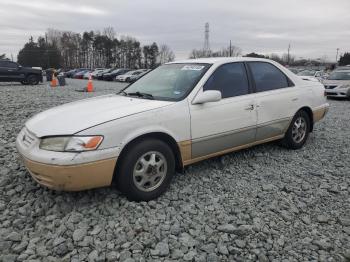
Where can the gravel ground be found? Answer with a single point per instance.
(265, 203)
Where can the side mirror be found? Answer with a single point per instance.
(207, 96)
(19, 67)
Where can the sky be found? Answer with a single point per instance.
(313, 28)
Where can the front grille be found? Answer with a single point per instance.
(28, 138)
(330, 87)
(331, 94)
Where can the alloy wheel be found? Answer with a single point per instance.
(149, 171)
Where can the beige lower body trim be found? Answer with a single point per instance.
(72, 177)
(185, 150)
(319, 113)
(197, 159)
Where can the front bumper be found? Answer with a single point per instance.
(65, 170)
(338, 92)
(320, 112)
(72, 177)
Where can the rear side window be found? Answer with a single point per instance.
(10, 64)
(230, 79)
(268, 77)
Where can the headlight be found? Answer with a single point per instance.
(71, 143)
(344, 86)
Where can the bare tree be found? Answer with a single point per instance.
(165, 54)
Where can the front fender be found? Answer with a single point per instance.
(172, 120)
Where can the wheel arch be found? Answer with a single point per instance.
(166, 138)
(309, 112)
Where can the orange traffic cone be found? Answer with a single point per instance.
(90, 87)
(53, 81)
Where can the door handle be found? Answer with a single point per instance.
(250, 107)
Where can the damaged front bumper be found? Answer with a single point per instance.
(66, 171)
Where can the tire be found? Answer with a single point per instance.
(298, 131)
(32, 80)
(24, 82)
(127, 80)
(137, 178)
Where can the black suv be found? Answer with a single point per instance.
(13, 72)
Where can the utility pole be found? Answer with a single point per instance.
(206, 48)
(230, 48)
(288, 58)
(11, 57)
(336, 57)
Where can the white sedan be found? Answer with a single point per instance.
(178, 114)
(127, 76)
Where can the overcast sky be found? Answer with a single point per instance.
(314, 28)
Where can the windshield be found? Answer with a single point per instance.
(306, 73)
(169, 82)
(339, 76)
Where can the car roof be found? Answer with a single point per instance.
(219, 60)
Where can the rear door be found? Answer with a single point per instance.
(14, 71)
(276, 99)
(226, 124)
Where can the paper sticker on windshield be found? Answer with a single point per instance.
(193, 67)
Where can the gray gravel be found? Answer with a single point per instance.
(265, 203)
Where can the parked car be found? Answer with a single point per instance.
(96, 71)
(71, 73)
(338, 84)
(80, 74)
(133, 78)
(13, 72)
(111, 76)
(87, 74)
(126, 77)
(310, 75)
(176, 115)
(294, 70)
(99, 75)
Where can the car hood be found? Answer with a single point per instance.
(73, 117)
(32, 70)
(336, 82)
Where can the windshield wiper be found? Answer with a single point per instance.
(122, 93)
(139, 94)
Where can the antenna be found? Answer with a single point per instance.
(206, 48)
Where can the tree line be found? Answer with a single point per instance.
(284, 59)
(66, 49)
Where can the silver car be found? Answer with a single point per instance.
(338, 84)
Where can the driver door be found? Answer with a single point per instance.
(228, 124)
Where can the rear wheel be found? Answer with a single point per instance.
(146, 170)
(298, 131)
(32, 80)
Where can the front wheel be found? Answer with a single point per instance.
(298, 131)
(32, 80)
(146, 170)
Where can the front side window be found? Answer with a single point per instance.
(11, 65)
(171, 82)
(267, 76)
(230, 79)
